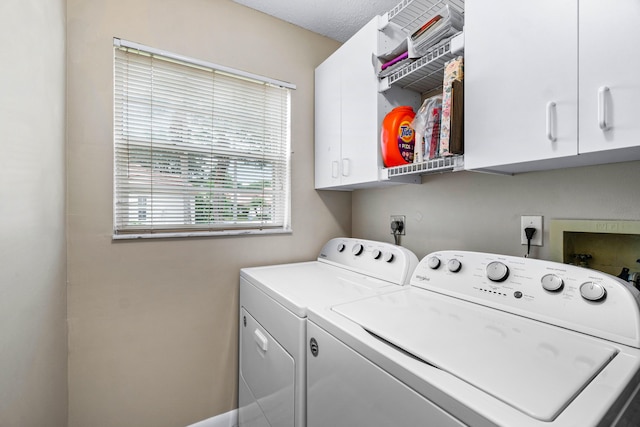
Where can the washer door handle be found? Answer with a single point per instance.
(261, 340)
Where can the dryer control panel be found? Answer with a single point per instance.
(383, 261)
(576, 298)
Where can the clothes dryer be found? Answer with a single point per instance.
(273, 311)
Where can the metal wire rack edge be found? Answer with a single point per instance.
(441, 164)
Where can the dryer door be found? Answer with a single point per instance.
(267, 372)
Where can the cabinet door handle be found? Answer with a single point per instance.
(334, 169)
(345, 167)
(602, 108)
(551, 113)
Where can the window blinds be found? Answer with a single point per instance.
(197, 150)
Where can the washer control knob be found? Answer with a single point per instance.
(454, 265)
(340, 247)
(357, 249)
(376, 254)
(497, 271)
(433, 262)
(552, 282)
(388, 257)
(593, 291)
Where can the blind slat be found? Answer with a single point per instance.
(197, 149)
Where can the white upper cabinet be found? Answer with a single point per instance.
(609, 86)
(521, 60)
(346, 128)
(348, 113)
(548, 84)
(551, 84)
(359, 107)
(328, 113)
(353, 95)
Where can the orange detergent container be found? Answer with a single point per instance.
(397, 138)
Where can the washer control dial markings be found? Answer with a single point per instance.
(497, 271)
(357, 249)
(454, 265)
(592, 291)
(433, 262)
(552, 282)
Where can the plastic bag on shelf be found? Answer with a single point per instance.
(426, 125)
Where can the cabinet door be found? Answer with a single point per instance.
(328, 119)
(609, 58)
(520, 82)
(360, 127)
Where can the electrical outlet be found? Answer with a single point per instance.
(401, 220)
(534, 221)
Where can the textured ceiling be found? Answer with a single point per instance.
(337, 19)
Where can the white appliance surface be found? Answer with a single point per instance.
(295, 286)
(459, 338)
(346, 269)
(491, 340)
(273, 310)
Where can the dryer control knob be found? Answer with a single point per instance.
(340, 247)
(357, 249)
(376, 254)
(454, 265)
(433, 262)
(593, 291)
(497, 271)
(388, 257)
(552, 282)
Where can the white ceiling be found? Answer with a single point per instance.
(336, 19)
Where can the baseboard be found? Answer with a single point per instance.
(228, 419)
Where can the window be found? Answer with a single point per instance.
(199, 149)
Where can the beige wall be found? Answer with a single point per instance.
(481, 212)
(152, 324)
(33, 333)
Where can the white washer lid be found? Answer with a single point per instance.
(532, 366)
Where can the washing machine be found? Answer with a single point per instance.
(479, 340)
(273, 313)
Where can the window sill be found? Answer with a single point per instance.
(191, 234)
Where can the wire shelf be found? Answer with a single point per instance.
(441, 164)
(409, 14)
(424, 73)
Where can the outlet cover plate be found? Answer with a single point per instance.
(534, 221)
(401, 218)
